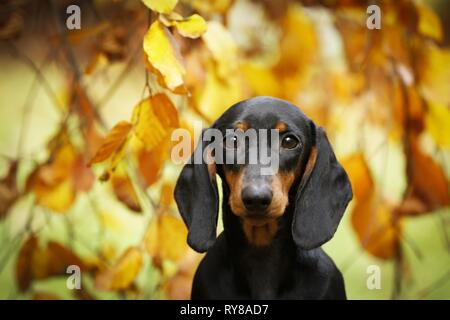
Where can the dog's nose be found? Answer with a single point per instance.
(256, 198)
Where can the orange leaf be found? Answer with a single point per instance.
(428, 183)
(166, 192)
(360, 176)
(122, 274)
(113, 142)
(151, 162)
(376, 228)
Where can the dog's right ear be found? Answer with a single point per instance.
(197, 198)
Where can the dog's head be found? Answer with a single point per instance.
(307, 176)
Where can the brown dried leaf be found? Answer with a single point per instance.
(35, 263)
(124, 191)
(8, 190)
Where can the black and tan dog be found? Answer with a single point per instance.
(275, 224)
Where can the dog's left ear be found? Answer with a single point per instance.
(197, 199)
(323, 195)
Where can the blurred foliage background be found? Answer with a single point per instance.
(86, 117)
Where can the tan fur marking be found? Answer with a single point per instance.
(281, 126)
(309, 165)
(234, 181)
(211, 167)
(242, 125)
(281, 184)
(260, 233)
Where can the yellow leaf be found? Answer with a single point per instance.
(211, 6)
(261, 80)
(434, 73)
(166, 238)
(223, 48)
(153, 119)
(52, 183)
(191, 27)
(429, 23)
(163, 55)
(58, 198)
(166, 193)
(299, 45)
(122, 274)
(438, 123)
(219, 93)
(161, 6)
(113, 142)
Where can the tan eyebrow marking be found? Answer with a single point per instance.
(242, 125)
(281, 126)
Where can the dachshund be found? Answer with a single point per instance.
(274, 224)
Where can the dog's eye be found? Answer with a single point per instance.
(290, 142)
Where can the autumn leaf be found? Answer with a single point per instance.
(76, 36)
(167, 190)
(218, 94)
(211, 6)
(372, 217)
(222, 47)
(261, 79)
(150, 162)
(433, 76)
(163, 55)
(179, 286)
(427, 181)
(56, 182)
(113, 142)
(36, 263)
(376, 228)
(24, 264)
(122, 274)
(42, 295)
(360, 176)
(124, 191)
(437, 123)
(8, 190)
(58, 198)
(429, 23)
(166, 238)
(161, 6)
(153, 119)
(191, 27)
(298, 36)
